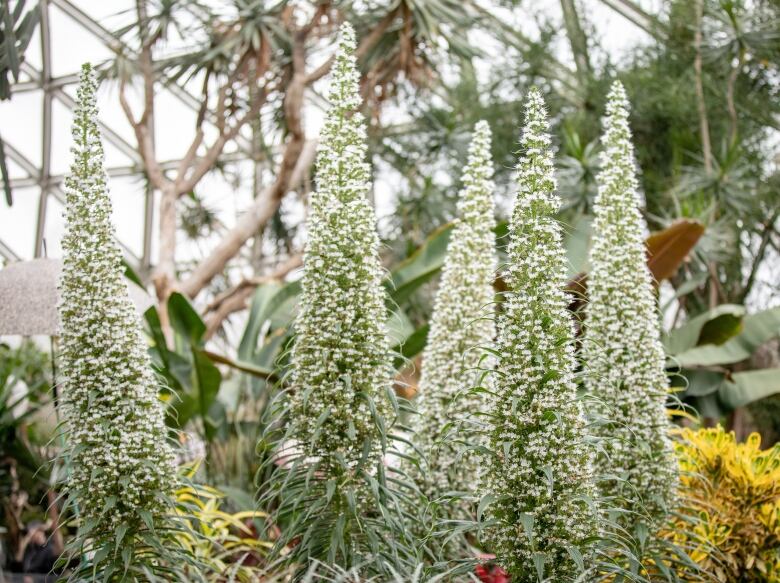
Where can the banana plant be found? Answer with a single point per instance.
(705, 353)
(192, 379)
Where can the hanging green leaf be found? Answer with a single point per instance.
(755, 329)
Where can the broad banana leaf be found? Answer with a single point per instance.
(577, 244)
(191, 366)
(667, 249)
(745, 387)
(260, 311)
(751, 332)
(420, 267)
(713, 327)
(715, 395)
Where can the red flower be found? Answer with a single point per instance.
(491, 574)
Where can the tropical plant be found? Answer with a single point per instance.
(461, 326)
(16, 30)
(331, 494)
(622, 352)
(225, 543)
(734, 491)
(120, 464)
(25, 384)
(539, 486)
(706, 353)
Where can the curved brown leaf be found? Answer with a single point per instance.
(667, 249)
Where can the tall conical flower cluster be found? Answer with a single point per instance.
(541, 477)
(121, 465)
(332, 490)
(341, 360)
(461, 323)
(622, 351)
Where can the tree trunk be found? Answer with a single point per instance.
(164, 275)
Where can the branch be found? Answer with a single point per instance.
(297, 158)
(186, 184)
(704, 126)
(143, 135)
(365, 45)
(247, 226)
(235, 299)
(293, 164)
(732, 80)
(769, 229)
(146, 64)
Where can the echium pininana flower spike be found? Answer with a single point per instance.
(341, 352)
(541, 479)
(461, 326)
(333, 494)
(622, 352)
(121, 464)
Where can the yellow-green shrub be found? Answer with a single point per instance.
(221, 542)
(733, 489)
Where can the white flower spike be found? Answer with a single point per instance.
(540, 481)
(341, 359)
(622, 351)
(333, 492)
(121, 464)
(461, 326)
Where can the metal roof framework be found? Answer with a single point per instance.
(50, 184)
(53, 89)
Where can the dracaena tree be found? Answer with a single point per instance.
(623, 355)
(120, 463)
(539, 482)
(461, 325)
(331, 489)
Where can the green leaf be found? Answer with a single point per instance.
(577, 244)
(130, 273)
(746, 387)
(146, 516)
(185, 320)
(719, 320)
(260, 311)
(120, 533)
(755, 330)
(484, 502)
(700, 382)
(527, 522)
(412, 346)
(5, 176)
(539, 560)
(720, 329)
(420, 267)
(206, 382)
(155, 330)
(101, 555)
(576, 556)
(200, 381)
